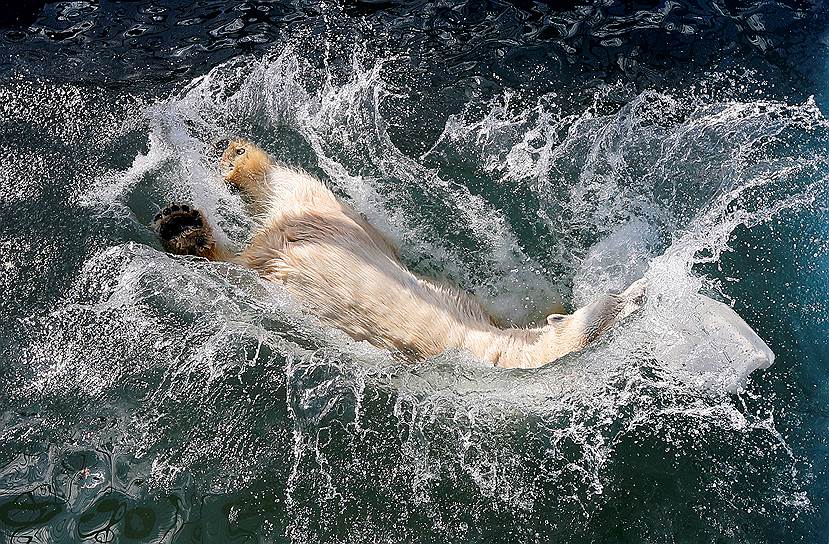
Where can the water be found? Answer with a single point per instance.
(535, 155)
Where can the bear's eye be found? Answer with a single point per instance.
(240, 151)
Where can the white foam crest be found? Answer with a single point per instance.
(337, 114)
(115, 186)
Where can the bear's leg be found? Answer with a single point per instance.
(184, 231)
(595, 318)
(589, 322)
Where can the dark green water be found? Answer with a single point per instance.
(535, 154)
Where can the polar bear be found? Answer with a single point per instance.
(347, 273)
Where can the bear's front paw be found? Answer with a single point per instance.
(183, 231)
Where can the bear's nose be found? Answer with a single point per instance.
(220, 146)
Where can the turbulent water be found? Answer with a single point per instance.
(535, 155)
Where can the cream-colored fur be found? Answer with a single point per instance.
(349, 275)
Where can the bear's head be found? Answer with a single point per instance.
(243, 163)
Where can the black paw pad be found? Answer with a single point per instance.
(175, 220)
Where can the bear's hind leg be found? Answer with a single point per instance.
(183, 230)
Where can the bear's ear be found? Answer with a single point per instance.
(554, 319)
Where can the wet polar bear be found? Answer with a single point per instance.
(348, 274)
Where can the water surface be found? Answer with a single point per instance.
(534, 154)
